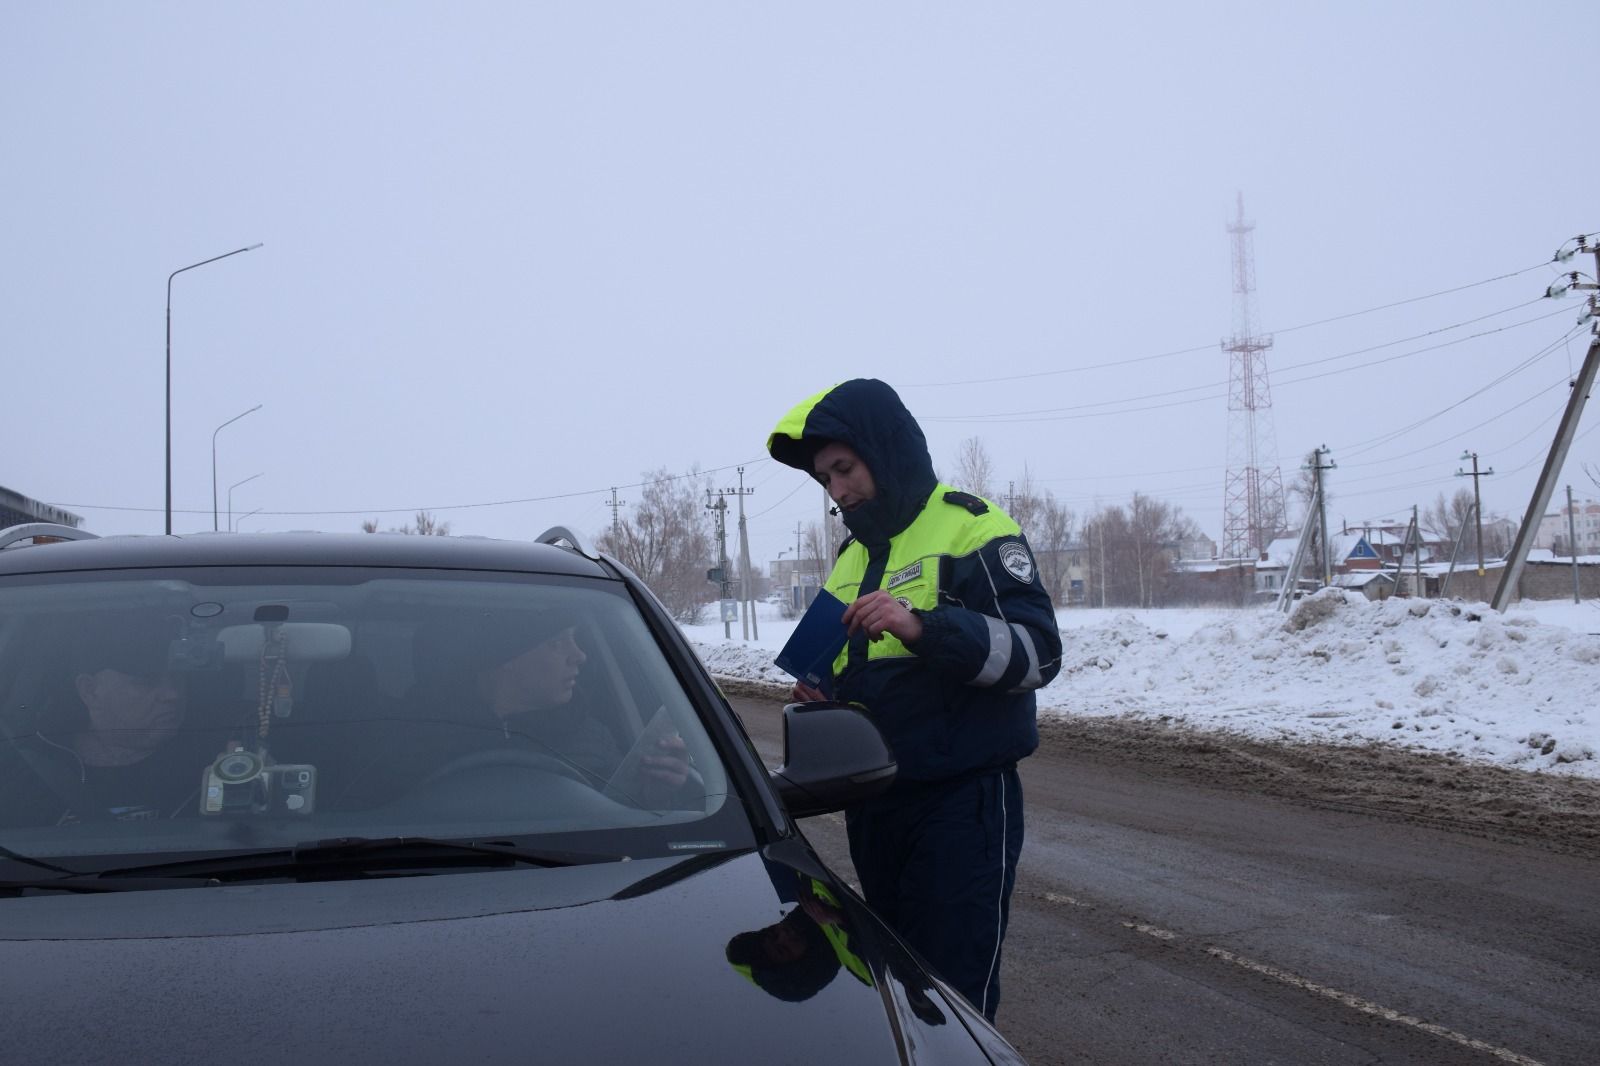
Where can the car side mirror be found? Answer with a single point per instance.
(833, 756)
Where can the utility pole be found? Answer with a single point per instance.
(1572, 538)
(720, 574)
(826, 540)
(616, 526)
(1416, 557)
(1317, 467)
(1477, 505)
(794, 581)
(1455, 551)
(1100, 535)
(748, 611)
(1568, 427)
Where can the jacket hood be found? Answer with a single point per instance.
(866, 414)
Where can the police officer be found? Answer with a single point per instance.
(950, 633)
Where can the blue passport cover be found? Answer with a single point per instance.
(816, 641)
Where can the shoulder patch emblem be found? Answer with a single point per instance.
(1016, 560)
(910, 573)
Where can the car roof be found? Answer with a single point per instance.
(300, 549)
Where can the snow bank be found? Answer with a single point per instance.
(1517, 689)
(1444, 677)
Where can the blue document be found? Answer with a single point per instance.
(815, 643)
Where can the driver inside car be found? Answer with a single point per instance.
(508, 684)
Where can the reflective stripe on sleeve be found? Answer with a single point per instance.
(999, 653)
(1032, 679)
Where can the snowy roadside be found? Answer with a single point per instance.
(1519, 690)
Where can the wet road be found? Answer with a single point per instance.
(1161, 921)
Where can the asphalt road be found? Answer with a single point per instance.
(1161, 920)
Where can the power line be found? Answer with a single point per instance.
(444, 507)
(1209, 389)
(1212, 346)
(1414, 299)
(1494, 418)
(1363, 447)
(798, 486)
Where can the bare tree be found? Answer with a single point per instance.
(1303, 486)
(1444, 519)
(1499, 534)
(974, 469)
(424, 525)
(1052, 543)
(1132, 550)
(1023, 503)
(667, 540)
(823, 540)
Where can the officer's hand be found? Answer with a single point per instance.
(878, 613)
(804, 693)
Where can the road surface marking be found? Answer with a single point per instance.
(1368, 1007)
(1346, 998)
(1150, 930)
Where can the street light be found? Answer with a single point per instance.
(214, 433)
(170, 276)
(247, 514)
(235, 485)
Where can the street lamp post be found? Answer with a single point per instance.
(247, 514)
(235, 485)
(214, 433)
(170, 276)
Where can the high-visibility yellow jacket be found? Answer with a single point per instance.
(961, 701)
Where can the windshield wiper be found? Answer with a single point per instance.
(40, 863)
(85, 883)
(356, 856)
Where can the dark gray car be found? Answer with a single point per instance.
(328, 798)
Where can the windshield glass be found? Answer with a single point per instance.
(206, 710)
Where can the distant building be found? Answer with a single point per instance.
(1557, 535)
(17, 509)
(1351, 553)
(1199, 548)
(797, 580)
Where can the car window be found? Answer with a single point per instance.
(207, 708)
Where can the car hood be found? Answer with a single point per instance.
(616, 962)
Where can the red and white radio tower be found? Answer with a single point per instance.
(1252, 502)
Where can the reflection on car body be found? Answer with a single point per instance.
(416, 798)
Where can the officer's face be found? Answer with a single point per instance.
(841, 471)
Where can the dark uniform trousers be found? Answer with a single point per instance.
(938, 864)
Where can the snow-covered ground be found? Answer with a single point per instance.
(1520, 689)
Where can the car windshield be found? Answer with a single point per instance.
(201, 710)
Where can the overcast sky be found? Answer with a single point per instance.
(526, 252)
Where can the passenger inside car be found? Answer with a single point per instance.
(111, 742)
